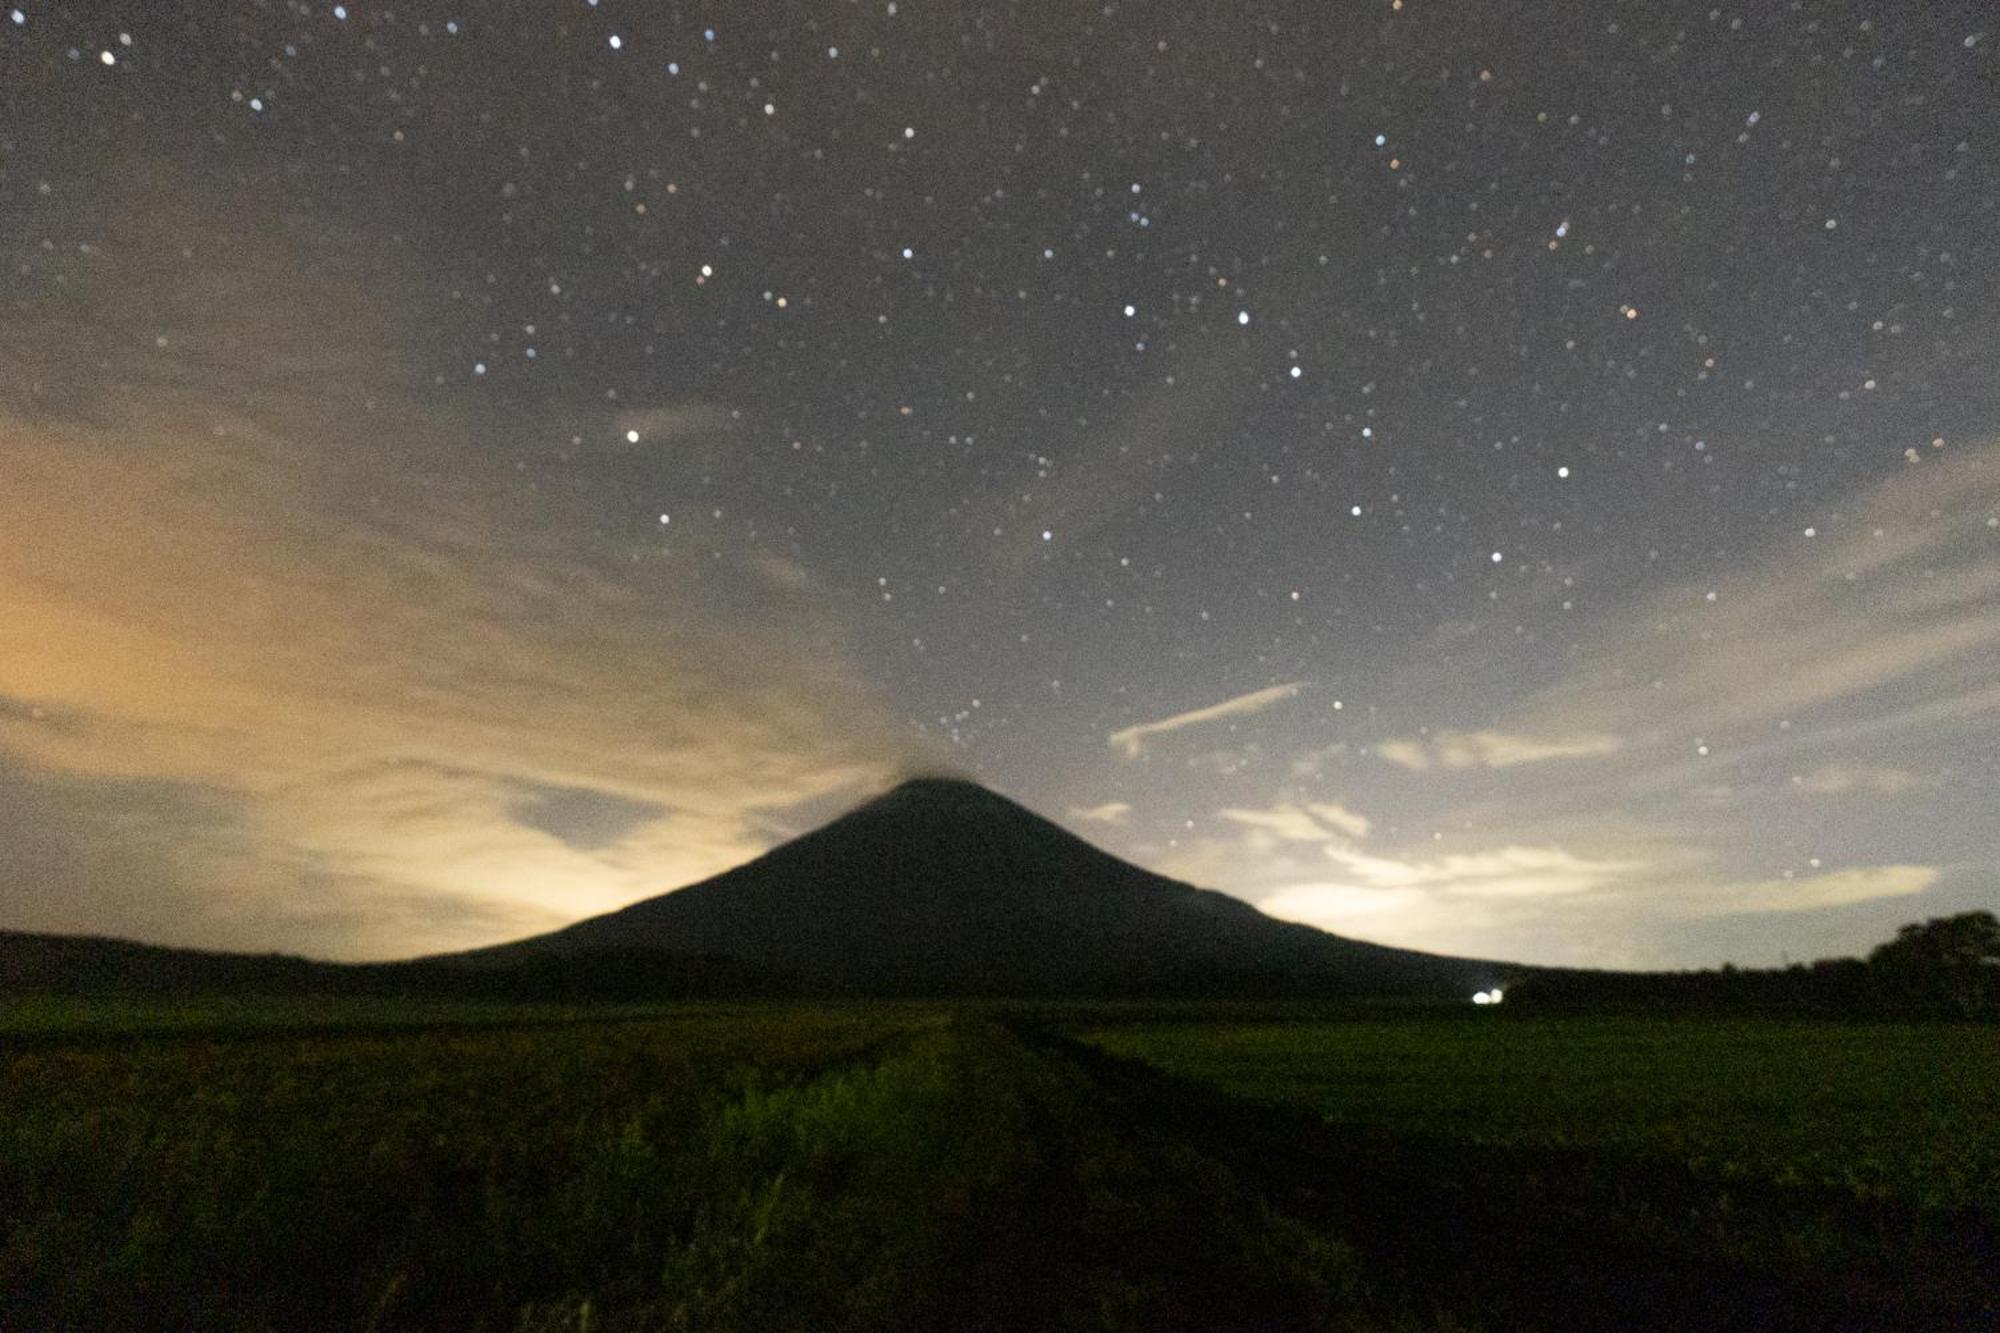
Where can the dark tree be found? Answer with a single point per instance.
(1949, 963)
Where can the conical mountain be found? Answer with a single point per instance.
(943, 887)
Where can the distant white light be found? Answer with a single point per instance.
(1367, 432)
(479, 367)
(631, 437)
(666, 519)
(1243, 317)
(1488, 996)
(1498, 557)
(1355, 510)
(256, 104)
(617, 42)
(18, 17)
(1296, 372)
(833, 53)
(1562, 228)
(107, 58)
(708, 34)
(909, 131)
(909, 253)
(339, 12)
(1047, 535)
(1131, 310)
(1381, 139)
(674, 68)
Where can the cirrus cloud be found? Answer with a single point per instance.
(1807, 893)
(1312, 821)
(1131, 741)
(1493, 749)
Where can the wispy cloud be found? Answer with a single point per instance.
(1545, 900)
(1895, 590)
(1492, 749)
(1508, 871)
(1728, 736)
(1413, 755)
(1110, 812)
(1510, 901)
(249, 570)
(1806, 893)
(1312, 821)
(1131, 741)
(1843, 779)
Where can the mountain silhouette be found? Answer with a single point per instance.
(944, 887)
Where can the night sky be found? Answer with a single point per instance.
(1507, 479)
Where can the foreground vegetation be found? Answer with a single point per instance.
(872, 1167)
(909, 1166)
(1900, 1112)
(1516, 1163)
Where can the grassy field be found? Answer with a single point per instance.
(1906, 1112)
(1493, 1158)
(712, 1167)
(251, 1165)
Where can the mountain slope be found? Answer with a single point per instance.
(943, 887)
(38, 964)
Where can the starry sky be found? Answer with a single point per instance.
(1514, 480)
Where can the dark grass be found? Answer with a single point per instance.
(859, 1167)
(409, 1179)
(1890, 1111)
(863, 1166)
(1634, 1172)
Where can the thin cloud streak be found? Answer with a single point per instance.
(1843, 779)
(1809, 893)
(1314, 821)
(1131, 741)
(1506, 871)
(1458, 750)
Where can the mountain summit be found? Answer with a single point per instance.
(941, 886)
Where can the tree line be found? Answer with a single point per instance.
(1945, 967)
